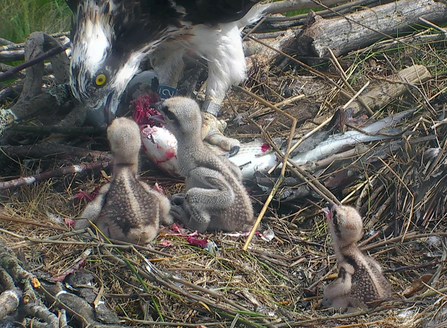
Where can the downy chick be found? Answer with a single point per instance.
(215, 197)
(360, 279)
(126, 209)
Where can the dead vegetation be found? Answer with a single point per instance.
(185, 280)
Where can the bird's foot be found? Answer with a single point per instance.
(212, 132)
(178, 210)
(326, 302)
(178, 199)
(178, 213)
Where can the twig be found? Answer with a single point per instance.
(293, 5)
(58, 129)
(311, 132)
(285, 159)
(6, 42)
(414, 267)
(314, 183)
(10, 74)
(42, 312)
(409, 192)
(378, 213)
(436, 27)
(324, 13)
(309, 68)
(22, 45)
(153, 273)
(174, 324)
(366, 27)
(96, 243)
(52, 174)
(30, 302)
(46, 149)
(345, 81)
(23, 221)
(409, 236)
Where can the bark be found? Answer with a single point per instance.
(392, 88)
(262, 55)
(281, 22)
(360, 29)
(293, 5)
(36, 45)
(52, 174)
(12, 55)
(46, 149)
(32, 99)
(9, 302)
(25, 295)
(59, 61)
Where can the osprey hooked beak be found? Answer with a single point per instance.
(109, 115)
(101, 114)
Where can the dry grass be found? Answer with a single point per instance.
(277, 283)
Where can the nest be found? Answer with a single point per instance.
(397, 185)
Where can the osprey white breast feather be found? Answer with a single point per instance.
(111, 37)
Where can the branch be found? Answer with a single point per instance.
(52, 174)
(293, 5)
(50, 53)
(46, 149)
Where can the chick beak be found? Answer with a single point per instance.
(158, 106)
(328, 210)
(158, 119)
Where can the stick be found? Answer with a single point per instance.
(293, 5)
(52, 174)
(285, 158)
(10, 74)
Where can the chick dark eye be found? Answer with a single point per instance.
(100, 79)
(169, 114)
(334, 219)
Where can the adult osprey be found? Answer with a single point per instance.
(111, 37)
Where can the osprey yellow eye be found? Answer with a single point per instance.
(100, 80)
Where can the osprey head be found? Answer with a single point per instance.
(99, 72)
(109, 40)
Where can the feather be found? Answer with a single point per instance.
(111, 37)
